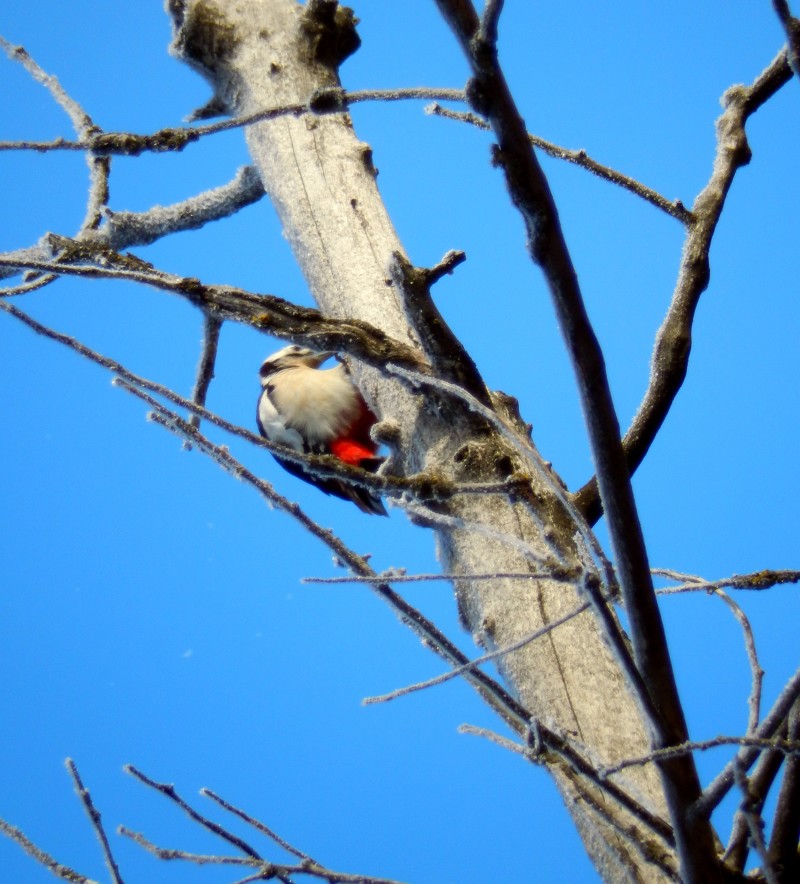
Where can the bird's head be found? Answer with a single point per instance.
(292, 356)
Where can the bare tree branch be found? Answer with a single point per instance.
(257, 824)
(99, 167)
(446, 353)
(697, 584)
(674, 208)
(478, 661)
(81, 121)
(267, 313)
(53, 866)
(787, 747)
(673, 343)
(123, 230)
(783, 845)
(94, 816)
(177, 138)
(126, 229)
(99, 172)
(200, 859)
(85, 127)
(761, 780)
(490, 20)
(263, 869)
(758, 580)
(769, 726)
(398, 576)
(169, 791)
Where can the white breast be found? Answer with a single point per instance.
(302, 403)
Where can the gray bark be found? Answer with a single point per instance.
(263, 53)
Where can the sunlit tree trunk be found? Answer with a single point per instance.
(260, 54)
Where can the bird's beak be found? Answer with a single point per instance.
(318, 358)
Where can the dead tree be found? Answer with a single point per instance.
(598, 706)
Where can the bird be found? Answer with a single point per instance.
(318, 411)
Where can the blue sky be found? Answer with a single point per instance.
(151, 610)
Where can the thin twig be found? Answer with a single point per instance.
(53, 866)
(94, 816)
(446, 266)
(81, 121)
(498, 740)
(674, 208)
(264, 870)
(429, 517)
(758, 580)
(787, 747)
(756, 672)
(392, 576)
(478, 661)
(257, 824)
(168, 790)
(31, 285)
(97, 203)
(214, 859)
(85, 128)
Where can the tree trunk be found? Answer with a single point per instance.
(261, 54)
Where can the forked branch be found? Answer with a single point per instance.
(673, 343)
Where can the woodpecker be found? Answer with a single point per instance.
(318, 411)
